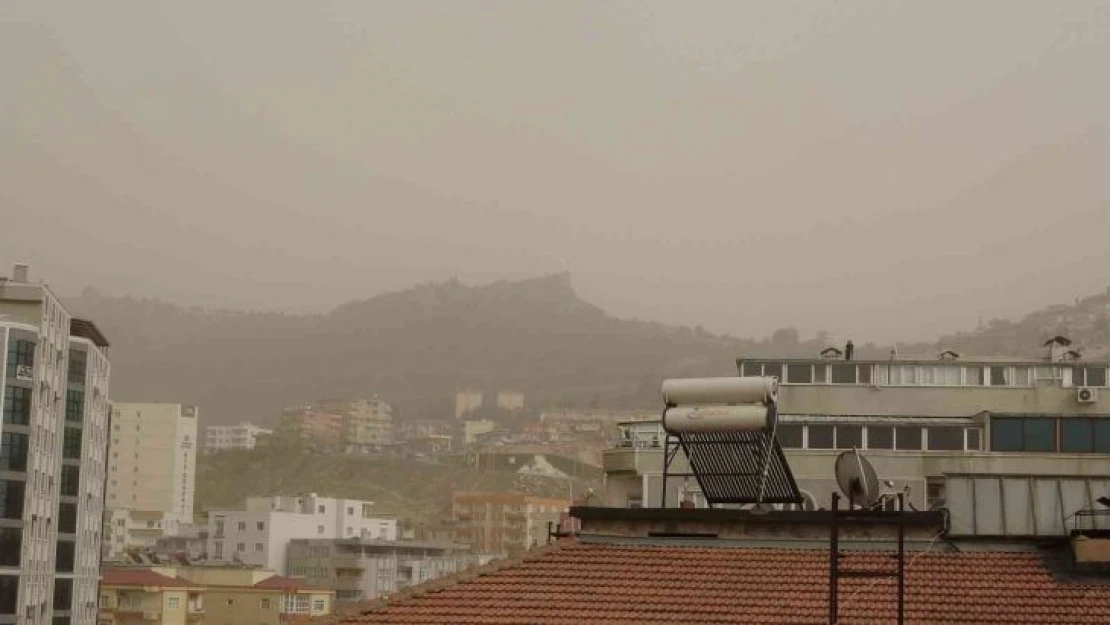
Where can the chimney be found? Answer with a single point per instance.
(19, 272)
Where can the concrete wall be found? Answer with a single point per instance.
(153, 460)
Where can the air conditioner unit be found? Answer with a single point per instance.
(1086, 395)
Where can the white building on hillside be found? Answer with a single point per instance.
(225, 437)
(260, 534)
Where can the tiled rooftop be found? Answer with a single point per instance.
(578, 582)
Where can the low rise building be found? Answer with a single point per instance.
(504, 523)
(360, 569)
(227, 437)
(1009, 447)
(142, 595)
(259, 534)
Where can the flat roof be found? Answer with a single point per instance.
(978, 360)
(87, 330)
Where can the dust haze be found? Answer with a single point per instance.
(881, 170)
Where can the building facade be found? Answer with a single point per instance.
(363, 569)
(227, 437)
(504, 523)
(260, 534)
(152, 462)
(54, 384)
(149, 596)
(1010, 448)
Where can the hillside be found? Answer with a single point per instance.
(416, 347)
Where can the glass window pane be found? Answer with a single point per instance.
(865, 374)
(843, 374)
(880, 437)
(909, 375)
(1021, 377)
(926, 375)
(1040, 434)
(1102, 435)
(821, 374)
(1076, 435)
(882, 375)
(772, 369)
(820, 436)
(789, 436)
(754, 369)
(974, 439)
(1096, 376)
(1077, 376)
(973, 376)
(907, 437)
(799, 374)
(998, 376)
(1006, 434)
(849, 436)
(946, 438)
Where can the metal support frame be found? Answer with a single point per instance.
(835, 572)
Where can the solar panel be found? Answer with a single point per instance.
(738, 467)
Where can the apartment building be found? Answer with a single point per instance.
(365, 569)
(504, 523)
(53, 437)
(227, 437)
(214, 595)
(152, 463)
(260, 534)
(1009, 447)
(368, 425)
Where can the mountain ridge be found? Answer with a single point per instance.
(416, 346)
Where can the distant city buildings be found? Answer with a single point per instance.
(467, 402)
(470, 403)
(152, 467)
(228, 437)
(504, 523)
(510, 401)
(364, 569)
(260, 534)
(53, 436)
(349, 426)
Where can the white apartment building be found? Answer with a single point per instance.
(53, 436)
(260, 534)
(225, 437)
(152, 461)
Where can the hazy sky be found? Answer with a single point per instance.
(882, 170)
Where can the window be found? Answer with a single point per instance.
(13, 451)
(173, 603)
(78, 364)
(945, 438)
(1021, 376)
(820, 374)
(258, 547)
(71, 444)
(880, 437)
(218, 549)
(264, 604)
(350, 511)
(64, 556)
(1088, 376)
(1077, 435)
(752, 368)
(67, 518)
(17, 405)
(843, 374)
(11, 544)
(242, 526)
(772, 370)
(11, 499)
(849, 436)
(261, 526)
(295, 603)
(998, 376)
(1023, 434)
(903, 375)
(20, 354)
(799, 374)
(974, 439)
(319, 529)
(75, 404)
(63, 593)
(71, 478)
(240, 547)
(820, 437)
(319, 605)
(9, 590)
(1102, 435)
(907, 437)
(973, 376)
(789, 436)
(865, 374)
(321, 509)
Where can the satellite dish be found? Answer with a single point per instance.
(857, 478)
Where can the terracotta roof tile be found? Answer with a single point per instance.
(620, 584)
